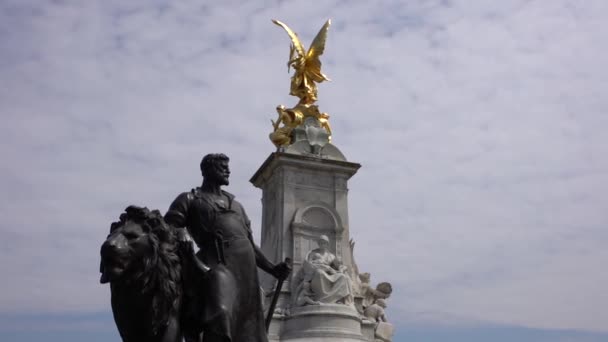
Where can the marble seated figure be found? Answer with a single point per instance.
(322, 280)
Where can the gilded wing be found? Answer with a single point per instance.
(318, 44)
(294, 39)
(313, 64)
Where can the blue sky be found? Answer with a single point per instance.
(480, 126)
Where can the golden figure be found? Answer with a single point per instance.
(324, 121)
(290, 120)
(307, 67)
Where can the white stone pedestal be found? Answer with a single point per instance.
(304, 196)
(322, 323)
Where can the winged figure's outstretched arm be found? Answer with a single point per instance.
(295, 41)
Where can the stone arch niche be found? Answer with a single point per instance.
(309, 223)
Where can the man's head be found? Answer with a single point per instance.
(323, 242)
(381, 302)
(214, 168)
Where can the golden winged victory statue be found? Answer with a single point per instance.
(307, 72)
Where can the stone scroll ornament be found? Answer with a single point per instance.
(321, 279)
(307, 72)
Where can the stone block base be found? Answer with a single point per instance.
(322, 323)
(368, 330)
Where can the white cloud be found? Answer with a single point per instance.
(480, 127)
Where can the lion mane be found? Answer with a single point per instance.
(158, 274)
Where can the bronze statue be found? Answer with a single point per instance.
(141, 260)
(232, 306)
(162, 291)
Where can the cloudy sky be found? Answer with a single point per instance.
(480, 126)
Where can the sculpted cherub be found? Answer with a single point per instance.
(375, 312)
(290, 119)
(306, 64)
(305, 297)
(363, 288)
(382, 291)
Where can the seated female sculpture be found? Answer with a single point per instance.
(321, 280)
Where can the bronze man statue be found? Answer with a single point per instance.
(231, 306)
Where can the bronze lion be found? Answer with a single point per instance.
(146, 267)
